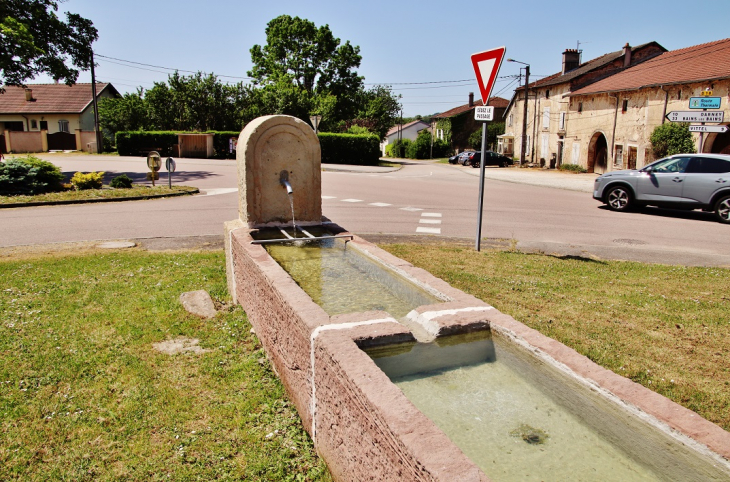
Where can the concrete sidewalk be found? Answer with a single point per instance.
(536, 177)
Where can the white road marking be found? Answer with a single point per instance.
(411, 209)
(352, 200)
(220, 190)
(329, 197)
(380, 205)
(428, 230)
(430, 221)
(431, 215)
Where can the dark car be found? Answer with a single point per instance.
(491, 158)
(682, 181)
(459, 158)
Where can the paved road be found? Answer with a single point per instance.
(422, 199)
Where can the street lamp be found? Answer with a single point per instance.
(524, 116)
(314, 119)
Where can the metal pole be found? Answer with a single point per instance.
(481, 188)
(99, 147)
(524, 117)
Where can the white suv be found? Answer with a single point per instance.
(682, 181)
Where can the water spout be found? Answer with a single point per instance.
(284, 181)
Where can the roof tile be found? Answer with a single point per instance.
(48, 98)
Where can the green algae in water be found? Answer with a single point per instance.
(499, 418)
(341, 280)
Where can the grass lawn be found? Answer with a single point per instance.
(93, 194)
(665, 327)
(84, 395)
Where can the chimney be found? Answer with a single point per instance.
(627, 55)
(571, 60)
(29, 95)
(471, 99)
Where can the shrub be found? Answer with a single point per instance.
(399, 148)
(221, 140)
(121, 182)
(672, 138)
(572, 168)
(135, 143)
(421, 147)
(441, 148)
(29, 175)
(362, 150)
(90, 180)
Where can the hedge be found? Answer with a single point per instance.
(359, 149)
(135, 143)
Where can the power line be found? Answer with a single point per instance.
(168, 68)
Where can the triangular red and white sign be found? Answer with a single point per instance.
(486, 66)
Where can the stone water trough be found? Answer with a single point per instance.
(362, 423)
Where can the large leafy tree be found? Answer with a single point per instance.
(34, 40)
(301, 62)
(671, 138)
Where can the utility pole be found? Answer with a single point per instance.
(524, 113)
(99, 146)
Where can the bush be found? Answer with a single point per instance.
(121, 182)
(362, 150)
(131, 143)
(221, 140)
(672, 138)
(572, 168)
(399, 148)
(29, 175)
(421, 147)
(90, 180)
(441, 148)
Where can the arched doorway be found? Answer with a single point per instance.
(597, 153)
(717, 143)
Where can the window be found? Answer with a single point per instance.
(509, 120)
(63, 126)
(33, 124)
(708, 165)
(544, 147)
(547, 94)
(44, 125)
(562, 121)
(580, 107)
(624, 106)
(546, 118)
(619, 161)
(673, 164)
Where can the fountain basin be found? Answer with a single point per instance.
(365, 427)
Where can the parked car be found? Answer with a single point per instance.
(682, 181)
(459, 158)
(490, 159)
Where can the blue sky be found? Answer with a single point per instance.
(401, 42)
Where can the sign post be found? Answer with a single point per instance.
(170, 166)
(153, 163)
(486, 67)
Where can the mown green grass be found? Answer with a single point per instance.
(665, 327)
(93, 194)
(85, 396)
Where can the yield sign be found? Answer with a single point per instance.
(486, 65)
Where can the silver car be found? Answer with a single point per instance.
(682, 181)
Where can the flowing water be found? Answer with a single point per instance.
(293, 221)
(342, 280)
(501, 419)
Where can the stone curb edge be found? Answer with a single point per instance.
(102, 200)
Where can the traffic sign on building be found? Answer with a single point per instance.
(705, 102)
(708, 129)
(696, 116)
(484, 113)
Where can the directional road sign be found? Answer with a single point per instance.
(696, 116)
(718, 129)
(486, 66)
(705, 102)
(484, 113)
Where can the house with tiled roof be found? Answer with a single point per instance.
(409, 131)
(614, 118)
(49, 116)
(547, 136)
(456, 125)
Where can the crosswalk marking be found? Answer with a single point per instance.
(411, 209)
(430, 221)
(329, 197)
(380, 205)
(352, 200)
(421, 229)
(431, 215)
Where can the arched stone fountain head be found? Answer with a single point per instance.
(266, 147)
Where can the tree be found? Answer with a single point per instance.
(33, 40)
(380, 106)
(301, 62)
(494, 129)
(671, 138)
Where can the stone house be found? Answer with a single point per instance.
(549, 133)
(609, 122)
(403, 131)
(44, 117)
(456, 125)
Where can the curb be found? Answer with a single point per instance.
(102, 200)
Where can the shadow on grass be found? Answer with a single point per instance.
(141, 177)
